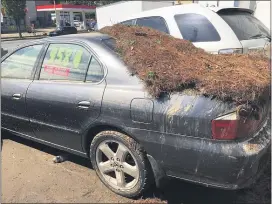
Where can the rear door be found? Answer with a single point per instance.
(66, 30)
(66, 97)
(17, 72)
(74, 30)
(70, 30)
(251, 32)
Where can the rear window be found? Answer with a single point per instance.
(110, 43)
(196, 28)
(244, 25)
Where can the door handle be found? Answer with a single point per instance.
(84, 104)
(16, 96)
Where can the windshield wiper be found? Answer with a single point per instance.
(260, 35)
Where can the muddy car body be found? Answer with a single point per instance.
(172, 136)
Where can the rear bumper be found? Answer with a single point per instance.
(242, 175)
(227, 165)
(233, 166)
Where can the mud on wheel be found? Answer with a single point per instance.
(120, 163)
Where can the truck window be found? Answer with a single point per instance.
(244, 25)
(196, 28)
(128, 22)
(155, 22)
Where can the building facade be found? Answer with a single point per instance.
(43, 18)
(32, 16)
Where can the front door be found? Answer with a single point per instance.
(66, 97)
(65, 30)
(17, 71)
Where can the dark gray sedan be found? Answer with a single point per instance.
(74, 93)
(63, 30)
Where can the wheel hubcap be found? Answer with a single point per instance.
(117, 165)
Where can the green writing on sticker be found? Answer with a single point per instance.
(62, 56)
(59, 59)
(68, 54)
(77, 58)
(53, 54)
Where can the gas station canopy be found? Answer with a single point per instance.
(68, 8)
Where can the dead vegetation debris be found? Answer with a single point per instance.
(168, 64)
(150, 200)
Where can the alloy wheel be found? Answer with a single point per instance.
(117, 165)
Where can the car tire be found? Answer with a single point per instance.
(126, 156)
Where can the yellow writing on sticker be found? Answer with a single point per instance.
(77, 58)
(62, 56)
(68, 54)
(53, 54)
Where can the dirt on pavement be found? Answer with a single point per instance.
(39, 32)
(29, 175)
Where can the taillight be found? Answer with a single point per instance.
(236, 125)
(225, 127)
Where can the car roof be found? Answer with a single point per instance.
(84, 37)
(172, 10)
(164, 10)
(91, 37)
(217, 9)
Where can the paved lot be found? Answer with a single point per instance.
(39, 31)
(30, 176)
(9, 45)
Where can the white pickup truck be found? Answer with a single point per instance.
(114, 13)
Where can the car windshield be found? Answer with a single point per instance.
(245, 25)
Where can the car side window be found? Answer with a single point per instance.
(20, 64)
(196, 28)
(65, 62)
(155, 22)
(128, 22)
(95, 72)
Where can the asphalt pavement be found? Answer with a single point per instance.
(30, 176)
